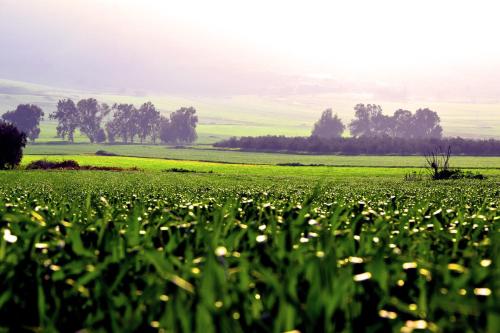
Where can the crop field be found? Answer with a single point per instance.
(202, 153)
(265, 170)
(249, 166)
(197, 252)
(197, 239)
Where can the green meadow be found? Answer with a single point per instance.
(371, 169)
(197, 239)
(239, 248)
(203, 153)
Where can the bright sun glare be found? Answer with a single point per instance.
(354, 35)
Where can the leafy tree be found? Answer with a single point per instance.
(12, 142)
(182, 126)
(328, 126)
(91, 114)
(67, 117)
(425, 124)
(156, 130)
(111, 132)
(402, 120)
(26, 118)
(147, 117)
(383, 125)
(167, 134)
(368, 121)
(100, 136)
(124, 123)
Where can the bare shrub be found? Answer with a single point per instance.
(438, 164)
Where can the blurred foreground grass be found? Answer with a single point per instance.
(155, 251)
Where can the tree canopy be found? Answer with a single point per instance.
(68, 119)
(12, 142)
(369, 121)
(26, 117)
(181, 127)
(91, 113)
(328, 126)
(147, 117)
(124, 123)
(426, 124)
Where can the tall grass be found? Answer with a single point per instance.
(206, 253)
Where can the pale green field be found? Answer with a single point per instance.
(207, 133)
(151, 164)
(234, 156)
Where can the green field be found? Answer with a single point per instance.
(248, 248)
(153, 164)
(204, 240)
(201, 153)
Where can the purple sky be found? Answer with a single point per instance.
(446, 50)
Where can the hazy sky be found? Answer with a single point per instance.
(440, 50)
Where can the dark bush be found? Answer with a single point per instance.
(298, 164)
(46, 165)
(72, 165)
(459, 174)
(104, 153)
(448, 174)
(291, 164)
(471, 175)
(438, 164)
(12, 142)
(181, 170)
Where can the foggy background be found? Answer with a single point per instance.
(390, 50)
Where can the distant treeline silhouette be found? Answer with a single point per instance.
(101, 123)
(373, 133)
(370, 121)
(369, 145)
(126, 122)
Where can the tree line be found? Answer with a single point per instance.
(364, 145)
(371, 122)
(101, 122)
(372, 132)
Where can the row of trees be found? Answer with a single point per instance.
(363, 145)
(370, 121)
(125, 122)
(129, 122)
